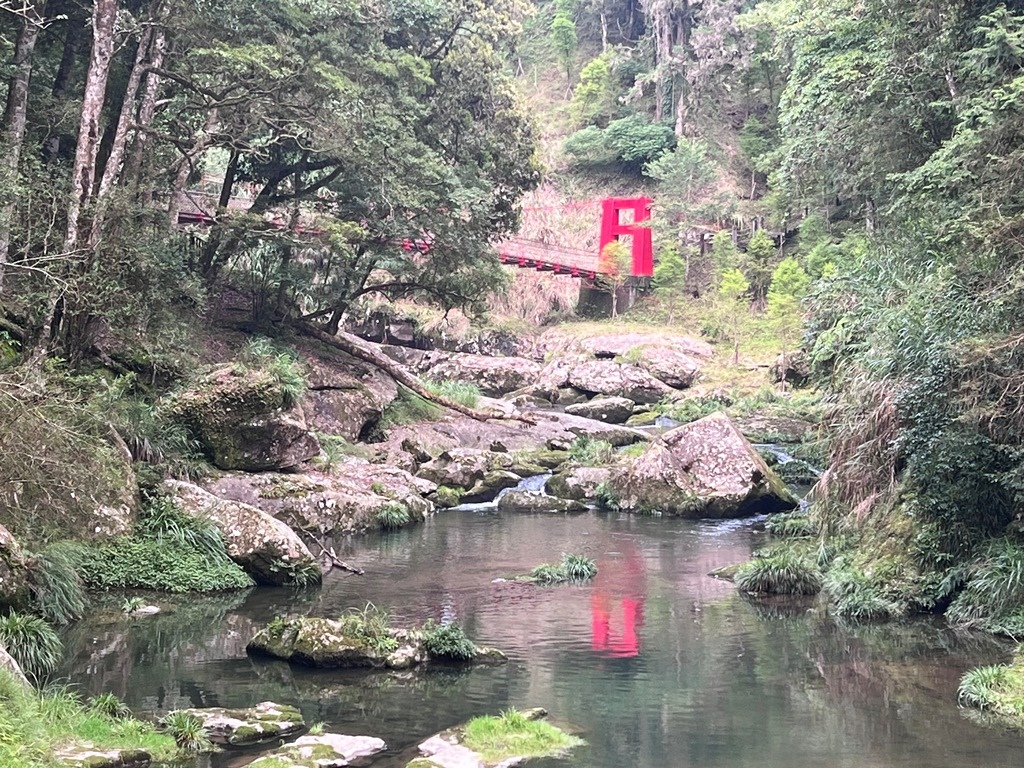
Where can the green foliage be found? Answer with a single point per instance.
(108, 705)
(35, 726)
(188, 732)
(563, 35)
(369, 627)
(606, 497)
(978, 686)
(32, 643)
(791, 525)
(759, 262)
(994, 588)
(997, 689)
(572, 568)
(462, 392)
(859, 596)
(511, 734)
(587, 148)
(149, 563)
(57, 591)
(590, 452)
(594, 100)
(632, 142)
(669, 278)
(392, 516)
(163, 521)
(408, 408)
(285, 368)
(132, 604)
(725, 253)
(780, 572)
(447, 641)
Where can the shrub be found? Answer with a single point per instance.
(260, 352)
(857, 597)
(513, 734)
(979, 687)
(590, 452)
(188, 732)
(109, 705)
(392, 516)
(448, 641)
(779, 573)
(995, 586)
(57, 591)
(32, 643)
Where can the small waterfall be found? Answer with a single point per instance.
(532, 484)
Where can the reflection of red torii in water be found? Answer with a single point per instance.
(618, 596)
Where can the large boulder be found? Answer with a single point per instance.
(495, 376)
(619, 344)
(85, 756)
(669, 365)
(327, 750)
(606, 377)
(266, 548)
(245, 420)
(346, 499)
(13, 570)
(705, 469)
(266, 722)
(794, 368)
(613, 410)
(578, 483)
(344, 395)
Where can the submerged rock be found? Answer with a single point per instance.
(87, 757)
(328, 750)
(265, 722)
(266, 548)
(353, 641)
(244, 420)
(528, 502)
(705, 469)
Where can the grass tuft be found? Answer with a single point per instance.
(32, 643)
(589, 452)
(572, 568)
(512, 735)
(370, 627)
(58, 594)
(448, 641)
(779, 573)
(188, 732)
(462, 392)
(392, 516)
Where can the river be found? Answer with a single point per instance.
(654, 663)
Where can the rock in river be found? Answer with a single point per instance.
(267, 549)
(705, 469)
(613, 410)
(528, 502)
(328, 750)
(265, 722)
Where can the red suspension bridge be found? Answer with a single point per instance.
(199, 208)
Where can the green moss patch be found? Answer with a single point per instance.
(512, 734)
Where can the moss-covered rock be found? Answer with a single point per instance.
(328, 750)
(243, 419)
(87, 757)
(528, 502)
(266, 548)
(578, 483)
(263, 723)
(352, 641)
(705, 469)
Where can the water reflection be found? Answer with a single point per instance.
(655, 663)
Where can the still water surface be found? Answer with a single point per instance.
(655, 664)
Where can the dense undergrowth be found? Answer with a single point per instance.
(36, 726)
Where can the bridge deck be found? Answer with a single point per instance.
(197, 207)
(544, 257)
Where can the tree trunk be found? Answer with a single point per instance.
(147, 110)
(15, 120)
(187, 163)
(83, 172)
(62, 78)
(112, 172)
(358, 349)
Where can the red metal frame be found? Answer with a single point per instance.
(612, 230)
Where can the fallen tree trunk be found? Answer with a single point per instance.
(355, 347)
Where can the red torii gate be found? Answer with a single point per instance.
(612, 229)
